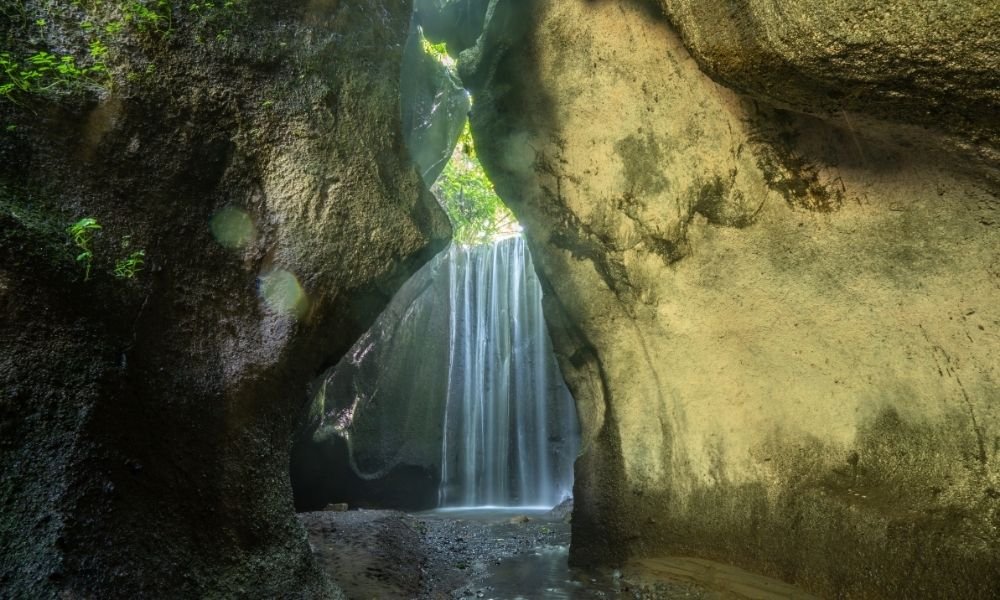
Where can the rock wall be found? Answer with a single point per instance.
(146, 422)
(372, 437)
(929, 64)
(780, 325)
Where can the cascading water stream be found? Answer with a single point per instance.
(509, 424)
(456, 380)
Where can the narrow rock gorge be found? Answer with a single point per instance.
(768, 237)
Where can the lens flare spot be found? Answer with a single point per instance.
(282, 293)
(233, 227)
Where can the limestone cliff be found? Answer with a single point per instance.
(772, 269)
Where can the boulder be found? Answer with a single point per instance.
(907, 62)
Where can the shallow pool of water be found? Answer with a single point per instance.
(543, 573)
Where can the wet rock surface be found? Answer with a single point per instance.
(505, 555)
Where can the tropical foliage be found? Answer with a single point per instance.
(478, 215)
(129, 266)
(43, 71)
(82, 233)
(85, 31)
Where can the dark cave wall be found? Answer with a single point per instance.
(775, 307)
(146, 423)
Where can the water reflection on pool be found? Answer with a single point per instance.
(545, 573)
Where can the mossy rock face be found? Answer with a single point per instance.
(147, 422)
(779, 326)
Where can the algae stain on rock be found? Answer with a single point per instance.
(642, 158)
(721, 203)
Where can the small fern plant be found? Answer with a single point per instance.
(126, 268)
(82, 233)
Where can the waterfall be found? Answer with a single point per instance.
(453, 392)
(509, 424)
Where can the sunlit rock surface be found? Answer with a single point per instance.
(433, 104)
(935, 64)
(781, 330)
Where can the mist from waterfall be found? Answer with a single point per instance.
(510, 432)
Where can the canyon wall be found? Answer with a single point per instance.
(770, 243)
(257, 158)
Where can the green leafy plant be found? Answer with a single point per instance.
(207, 8)
(82, 233)
(126, 268)
(478, 215)
(97, 50)
(150, 15)
(215, 19)
(438, 51)
(43, 71)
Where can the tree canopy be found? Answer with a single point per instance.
(478, 215)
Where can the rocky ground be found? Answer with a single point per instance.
(390, 554)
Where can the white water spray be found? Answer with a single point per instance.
(509, 435)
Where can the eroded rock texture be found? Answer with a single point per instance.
(925, 63)
(780, 327)
(146, 423)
